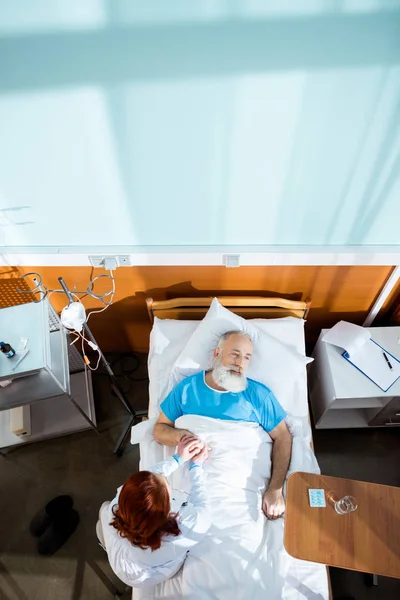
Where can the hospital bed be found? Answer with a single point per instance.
(243, 555)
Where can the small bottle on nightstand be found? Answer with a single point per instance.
(7, 349)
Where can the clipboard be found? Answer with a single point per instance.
(370, 361)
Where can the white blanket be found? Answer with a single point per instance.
(242, 557)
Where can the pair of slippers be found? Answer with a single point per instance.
(54, 524)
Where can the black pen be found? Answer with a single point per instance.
(388, 361)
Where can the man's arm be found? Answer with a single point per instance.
(167, 434)
(273, 504)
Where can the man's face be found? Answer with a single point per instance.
(235, 354)
(231, 362)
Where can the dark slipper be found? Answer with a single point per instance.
(58, 532)
(56, 507)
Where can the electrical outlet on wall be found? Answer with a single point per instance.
(231, 260)
(110, 263)
(124, 260)
(97, 261)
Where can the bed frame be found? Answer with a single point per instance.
(248, 307)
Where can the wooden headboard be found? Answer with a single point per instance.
(251, 307)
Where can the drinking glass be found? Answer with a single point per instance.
(345, 505)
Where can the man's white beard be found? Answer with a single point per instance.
(225, 378)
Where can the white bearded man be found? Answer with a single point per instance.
(224, 392)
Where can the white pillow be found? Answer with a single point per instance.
(273, 363)
(168, 338)
(288, 330)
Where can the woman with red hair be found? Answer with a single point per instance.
(147, 529)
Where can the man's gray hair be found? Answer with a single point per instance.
(228, 334)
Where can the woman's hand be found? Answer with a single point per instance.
(202, 456)
(189, 446)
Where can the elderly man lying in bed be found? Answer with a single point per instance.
(224, 392)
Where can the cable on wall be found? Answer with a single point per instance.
(73, 316)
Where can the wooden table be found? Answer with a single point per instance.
(366, 540)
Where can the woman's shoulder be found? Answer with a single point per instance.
(142, 558)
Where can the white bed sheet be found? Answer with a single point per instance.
(288, 578)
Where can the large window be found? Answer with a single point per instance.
(213, 123)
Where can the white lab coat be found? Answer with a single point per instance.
(140, 568)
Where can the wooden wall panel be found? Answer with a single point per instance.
(336, 293)
(390, 315)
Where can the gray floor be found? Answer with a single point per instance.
(84, 466)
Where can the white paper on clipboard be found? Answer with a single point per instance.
(365, 354)
(348, 336)
(370, 360)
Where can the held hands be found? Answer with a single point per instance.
(273, 504)
(201, 457)
(189, 446)
(193, 448)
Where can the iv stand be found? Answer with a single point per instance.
(133, 415)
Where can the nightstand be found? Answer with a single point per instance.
(342, 397)
(51, 378)
(366, 540)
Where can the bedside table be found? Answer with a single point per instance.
(58, 392)
(366, 540)
(342, 397)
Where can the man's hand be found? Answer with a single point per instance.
(187, 436)
(167, 434)
(273, 504)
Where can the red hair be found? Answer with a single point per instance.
(143, 511)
